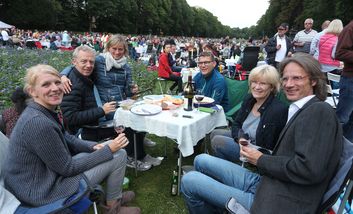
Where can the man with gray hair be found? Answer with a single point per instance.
(314, 46)
(79, 106)
(303, 38)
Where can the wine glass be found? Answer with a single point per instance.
(243, 142)
(118, 127)
(199, 97)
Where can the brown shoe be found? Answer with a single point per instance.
(129, 210)
(118, 209)
(127, 197)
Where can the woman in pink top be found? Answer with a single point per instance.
(327, 47)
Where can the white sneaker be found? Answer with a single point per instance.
(149, 143)
(151, 160)
(141, 166)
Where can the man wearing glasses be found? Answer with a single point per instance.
(210, 82)
(303, 38)
(278, 47)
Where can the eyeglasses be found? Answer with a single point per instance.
(206, 63)
(257, 83)
(295, 79)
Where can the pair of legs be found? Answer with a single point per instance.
(177, 82)
(345, 106)
(112, 171)
(215, 180)
(224, 146)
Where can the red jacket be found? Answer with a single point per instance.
(164, 69)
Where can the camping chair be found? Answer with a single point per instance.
(342, 179)
(332, 79)
(249, 60)
(31, 44)
(237, 90)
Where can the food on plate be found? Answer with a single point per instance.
(126, 104)
(177, 101)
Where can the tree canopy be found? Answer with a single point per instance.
(163, 17)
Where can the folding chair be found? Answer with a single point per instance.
(248, 61)
(332, 79)
(237, 90)
(342, 179)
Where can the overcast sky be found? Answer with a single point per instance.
(234, 13)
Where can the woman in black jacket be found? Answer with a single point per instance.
(261, 117)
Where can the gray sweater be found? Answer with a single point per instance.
(39, 168)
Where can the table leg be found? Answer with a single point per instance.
(179, 170)
(135, 154)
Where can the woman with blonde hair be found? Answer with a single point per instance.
(261, 117)
(40, 168)
(327, 47)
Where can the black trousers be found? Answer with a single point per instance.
(177, 82)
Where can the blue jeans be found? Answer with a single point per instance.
(224, 146)
(345, 106)
(215, 180)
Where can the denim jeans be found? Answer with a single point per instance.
(345, 106)
(224, 146)
(215, 180)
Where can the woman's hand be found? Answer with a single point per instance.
(251, 154)
(66, 82)
(118, 143)
(109, 107)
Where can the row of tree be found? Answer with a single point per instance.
(162, 17)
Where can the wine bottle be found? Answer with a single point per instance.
(189, 93)
(174, 186)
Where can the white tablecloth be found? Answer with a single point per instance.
(187, 132)
(185, 73)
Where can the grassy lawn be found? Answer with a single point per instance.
(151, 187)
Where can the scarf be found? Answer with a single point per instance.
(110, 62)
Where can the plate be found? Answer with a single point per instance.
(153, 97)
(206, 102)
(146, 109)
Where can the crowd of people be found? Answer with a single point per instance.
(283, 145)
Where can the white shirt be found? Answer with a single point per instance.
(281, 53)
(5, 35)
(294, 107)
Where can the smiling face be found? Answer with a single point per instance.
(117, 51)
(47, 91)
(206, 65)
(260, 88)
(296, 82)
(84, 62)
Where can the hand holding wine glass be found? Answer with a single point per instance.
(243, 141)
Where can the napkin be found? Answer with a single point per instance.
(207, 110)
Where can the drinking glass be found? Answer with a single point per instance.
(118, 127)
(243, 142)
(199, 97)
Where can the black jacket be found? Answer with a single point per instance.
(272, 120)
(79, 106)
(271, 49)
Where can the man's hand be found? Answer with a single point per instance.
(66, 82)
(98, 146)
(251, 154)
(118, 143)
(109, 107)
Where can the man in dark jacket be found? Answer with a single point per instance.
(278, 47)
(79, 106)
(344, 53)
